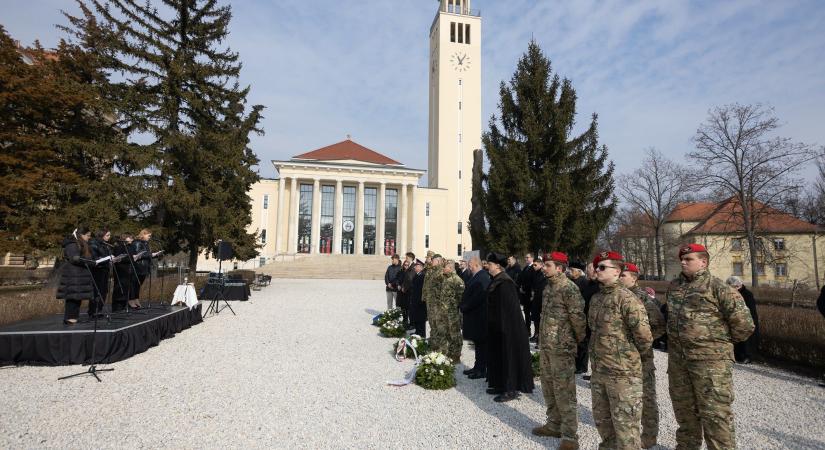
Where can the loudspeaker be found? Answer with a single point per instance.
(223, 251)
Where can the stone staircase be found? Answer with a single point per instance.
(339, 267)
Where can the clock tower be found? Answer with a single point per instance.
(455, 113)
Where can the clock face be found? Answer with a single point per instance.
(460, 61)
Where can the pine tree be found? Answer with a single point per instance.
(478, 229)
(178, 86)
(60, 148)
(546, 188)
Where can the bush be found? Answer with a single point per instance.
(795, 335)
(435, 371)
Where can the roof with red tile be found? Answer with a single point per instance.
(726, 217)
(348, 149)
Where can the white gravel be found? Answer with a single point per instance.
(301, 367)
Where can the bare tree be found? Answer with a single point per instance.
(654, 190)
(737, 155)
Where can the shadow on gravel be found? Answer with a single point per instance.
(373, 312)
(790, 440)
(475, 391)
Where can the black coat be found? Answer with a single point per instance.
(100, 249)
(144, 263)
(525, 284)
(474, 307)
(418, 309)
(539, 282)
(125, 277)
(404, 282)
(75, 275)
(750, 302)
(466, 275)
(513, 271)
(509, 366)
(820, 302)
(391, 276)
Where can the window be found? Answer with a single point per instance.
(460, 33)
(263, 236)
(348, 221)
(459, 227)
(266, 201)
(779, 244)
(370, 212)
(736, 245)
(327, 214)
(459, 105)
(390, 220)
(467, 33)
(452, 31)
(781, 270)
(427, 210)
(760, 269)
(304, 218)
(427, 241)
(262, 261)
(458, 250)
(738, 269)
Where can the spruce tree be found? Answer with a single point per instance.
(175, 83)
(60, 148)
(546, 189)
(478, 229)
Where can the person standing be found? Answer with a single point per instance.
(742, 351)
(452, 288)
(390, 280)
(433, 278)
(524, 280)
(418, 309)
(509, 367)
(474, 309)
(705, 317)
(464, 271)
(650, 407)
(125, 278)
(563, 326)
(537, 291)
(143, 263)
(100, 249)
(405, 288)
(76, 283)
(588, 287)
(620, 334)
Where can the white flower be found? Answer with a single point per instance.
(441, 372)
(440, 360)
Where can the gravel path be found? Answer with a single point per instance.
(301, 367)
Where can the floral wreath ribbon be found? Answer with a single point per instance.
(403, 343)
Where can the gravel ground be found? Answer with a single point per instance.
(301, 367)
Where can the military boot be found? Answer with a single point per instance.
(568, 445)
(546, 430)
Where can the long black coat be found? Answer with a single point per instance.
(125, 276)
(509, 366)
(474, 307)
(143, 264)
(75, 276)
(539, 282)
(418, 309)
(100, 249)
(750, 302)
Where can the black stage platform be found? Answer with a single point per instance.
(47, 341)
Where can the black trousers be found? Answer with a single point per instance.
(421, 328)
(120, 294)
(101, 289)
(581, 355)
(72, 310)
(481, 356)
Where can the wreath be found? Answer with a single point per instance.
(435, 371)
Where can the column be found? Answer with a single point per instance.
(359, 219)
(401, 246)
(279, 220)
(316, 217)
(338, 219)
(379, 229)
(413, 240)
(292, 238)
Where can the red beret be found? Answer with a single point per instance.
(558, 257)
(602, 256)
(630, 267)
(691, 248)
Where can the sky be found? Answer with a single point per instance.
(651, 70)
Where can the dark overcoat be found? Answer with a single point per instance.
(75, 276)
(143, 264)
(474, 307)
(509, 366)
(101, 249)
(418, 309)
(539, 283)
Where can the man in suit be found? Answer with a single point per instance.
(474, 308)
(464, 271)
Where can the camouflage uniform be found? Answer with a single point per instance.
(620, 334)
(452, 288)
(563, 326)
(650, 407)
(704, 317)
(430, 294)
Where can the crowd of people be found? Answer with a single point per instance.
(92, 264)
(596, 315)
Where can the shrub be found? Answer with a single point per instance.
(792, 334)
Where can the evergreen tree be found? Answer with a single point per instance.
(546, 188)
(60, 148)
(176, 85)
(478, 229)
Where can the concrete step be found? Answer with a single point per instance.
(341, 267)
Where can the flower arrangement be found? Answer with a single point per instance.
(390, 314)
(435, 371)
(420, 345)
(393, 328)
(536, 365)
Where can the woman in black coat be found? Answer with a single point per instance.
(76, 282)
(143, 264)
(418, 309)
(100, 249)
(509, 367)
(125, 277)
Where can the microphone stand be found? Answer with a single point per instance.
(119, 285)
(93, 370)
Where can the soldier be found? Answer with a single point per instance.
(705, 317)
(650, 408)
(562, 327)
(452, 288)
(433, 276)
(620, 334)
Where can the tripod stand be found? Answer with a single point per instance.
(93, 370)
(214, 305)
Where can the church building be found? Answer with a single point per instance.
(346, 198)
